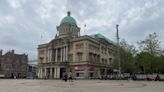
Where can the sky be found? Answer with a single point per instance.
(24, 24)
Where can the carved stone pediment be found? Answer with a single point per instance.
(58, 42)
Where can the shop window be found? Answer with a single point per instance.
(80, 75)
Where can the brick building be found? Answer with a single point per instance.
(12, 64)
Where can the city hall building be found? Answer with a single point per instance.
(83, 57)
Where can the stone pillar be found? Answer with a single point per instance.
(51, 73)
(98, 73)
(61, 58)
(56, 55)
(58, 72)
(51, 55)
(54, 73)
(86, 73)
(85, 54)
(48, 55)
(38, 73)
(45, 72)
(41, 73)
(66, 54)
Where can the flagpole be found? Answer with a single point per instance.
(118, 51)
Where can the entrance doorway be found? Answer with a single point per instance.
(52, 76)
(62, 72)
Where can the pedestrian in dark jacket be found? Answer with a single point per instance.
(65, 78)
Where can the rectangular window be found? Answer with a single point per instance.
(110, 60)
(79, 56)
(90, 57)
(71, 58)
(102, 60)
(41, 59)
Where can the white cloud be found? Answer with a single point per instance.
(34, 21)
(46, 8)
(6, 19)
(16, 3)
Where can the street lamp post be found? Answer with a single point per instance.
(118, 51)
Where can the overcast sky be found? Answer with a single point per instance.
(26, 23)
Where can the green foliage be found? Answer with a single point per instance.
(144, 62)
(127, 53)
(150, 58)
(150, 44)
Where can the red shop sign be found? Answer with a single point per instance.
(79, 68)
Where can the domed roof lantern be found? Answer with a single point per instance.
(68, 19)
(68, 13)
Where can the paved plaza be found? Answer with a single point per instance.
(19, 85)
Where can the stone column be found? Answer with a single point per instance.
(58, 72)
(56, 55)
(38, 72)
(86, 73)
(85, 54)
(41, 73)
(54, 76)
(61, 59)
(49, 55)
(45, 71)
(51, 73)
(66, 54)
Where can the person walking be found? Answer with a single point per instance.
(70, 78)
(65, 78)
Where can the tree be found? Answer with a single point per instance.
(127, 53)
(151, 45)
(143, 62)
(150, 51)
(159, 64)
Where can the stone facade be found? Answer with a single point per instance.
(83, 57)
(12, 64)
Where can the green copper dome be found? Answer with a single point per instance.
(68, 20)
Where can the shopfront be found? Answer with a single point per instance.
(91, 71)
(79, 72)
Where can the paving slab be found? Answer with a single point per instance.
(24, 85)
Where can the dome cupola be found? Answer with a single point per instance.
(68, 27)
(68, 19)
